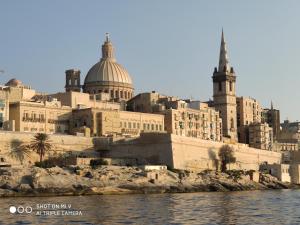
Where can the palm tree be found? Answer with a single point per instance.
(41, 144)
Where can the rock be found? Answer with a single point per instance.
(88, 175)
(24, 187)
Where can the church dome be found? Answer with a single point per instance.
(108, 76)
(107, 71)
(14, 83)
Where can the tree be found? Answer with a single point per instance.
(41, 144)
(226, 156)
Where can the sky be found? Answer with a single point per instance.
(169, 46)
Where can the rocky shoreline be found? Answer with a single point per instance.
(74, 180)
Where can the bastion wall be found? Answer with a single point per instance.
(188, 153)
(151, 148)
(10, 141)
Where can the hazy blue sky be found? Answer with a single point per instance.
(158, 41)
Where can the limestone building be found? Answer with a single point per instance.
(14, 91)
(108, 76)
(248, 112)
(203, 123)
(291, 126)
(75, 99)
(115, 122)
(182, 117)
(224, 97)
(4, 107)
(272, 117)
(261, 136)
(43, 117)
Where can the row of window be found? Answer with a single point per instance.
(114, 94)
(26, 115)
(181, 124)
(197, 134)
(195, 116)
(34, 129)
(146, 126)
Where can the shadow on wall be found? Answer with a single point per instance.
(18, 151)
(213, 157)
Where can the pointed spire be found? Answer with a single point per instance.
(223, 60)
(108, 49)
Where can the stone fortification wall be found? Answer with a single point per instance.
(197, 154)
(187, 153)
(150, 148)
(61, 144)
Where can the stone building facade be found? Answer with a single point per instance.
(182, 117)
(43, 117)
(289, 126)
(115, 122)
(86, 100)
(204, 124)
(272, 117)
(261, 136)
(248, 112)
(4, 107)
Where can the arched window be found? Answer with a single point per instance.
(75, 82)
(220, 86)
(230, 86)
(125, 94)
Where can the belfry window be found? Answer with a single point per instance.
(230, 86)
(220, 86)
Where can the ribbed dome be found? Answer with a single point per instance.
(107, 71)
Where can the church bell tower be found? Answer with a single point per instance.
(73, 80)
(224, 96)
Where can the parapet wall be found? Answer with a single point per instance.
(61, 144)
(188, 153)
(151, 148)
(197, 154)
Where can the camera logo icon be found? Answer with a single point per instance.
(20, 209)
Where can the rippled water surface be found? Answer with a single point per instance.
(253, 207)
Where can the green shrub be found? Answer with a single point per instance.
(98, 162)
(51, 162)
(235, 174)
